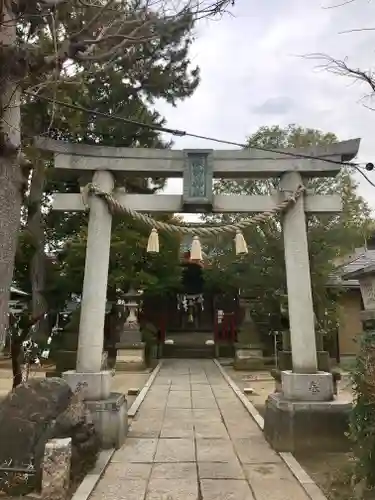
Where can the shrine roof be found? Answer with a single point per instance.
(355, 263)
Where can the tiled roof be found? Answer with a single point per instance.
(361, 260)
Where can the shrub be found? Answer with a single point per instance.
(362, 422)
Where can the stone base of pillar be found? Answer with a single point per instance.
(276, 375)
(108, 409)
(131, 357)
(248, 357)
(111, 419)
(301, 426)
(307, 386)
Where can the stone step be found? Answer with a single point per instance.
(188, 351)
(196, 338)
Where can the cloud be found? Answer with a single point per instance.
(254, 73)
(274, 106)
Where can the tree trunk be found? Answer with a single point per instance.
(24, 326)
(10, 171)
(16, 354)
(10, 206)
(35, 229)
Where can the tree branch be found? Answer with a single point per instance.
(93, 20)
(104, 31)
(340, 67)
(339, 4)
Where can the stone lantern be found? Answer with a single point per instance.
(130, 348)
(249, 348)
(366, 278)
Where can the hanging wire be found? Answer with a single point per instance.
(183, 133)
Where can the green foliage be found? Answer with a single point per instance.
(129, 264)
(261, 274)
(362, 424)
(128, 85)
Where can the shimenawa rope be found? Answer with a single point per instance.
(115, 207)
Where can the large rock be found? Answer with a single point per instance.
(31, 415)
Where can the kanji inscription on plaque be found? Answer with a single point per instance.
(198, 175)
(198, 180)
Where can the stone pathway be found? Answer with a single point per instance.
(193, 440)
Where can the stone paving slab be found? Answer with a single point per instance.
(175, 450)
(193, 440)
(226, 489)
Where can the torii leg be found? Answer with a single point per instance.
(94, 293)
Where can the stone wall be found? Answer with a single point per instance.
(350, 326)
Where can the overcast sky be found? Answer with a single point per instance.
(253, 75)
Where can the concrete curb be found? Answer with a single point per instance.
(247, 404)
(141, 396)
(308, 484)
(89, 482)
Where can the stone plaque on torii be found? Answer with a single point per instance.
(106, 167)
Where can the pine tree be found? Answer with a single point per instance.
(46, 44)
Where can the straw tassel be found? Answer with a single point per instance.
(153, 242)
(196, 249)
(240, 244)
(85, 196)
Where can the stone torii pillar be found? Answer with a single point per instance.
(297, 265)
(303, 416)
(109, 410)
(94, 291)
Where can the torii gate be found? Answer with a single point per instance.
(103, 165)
